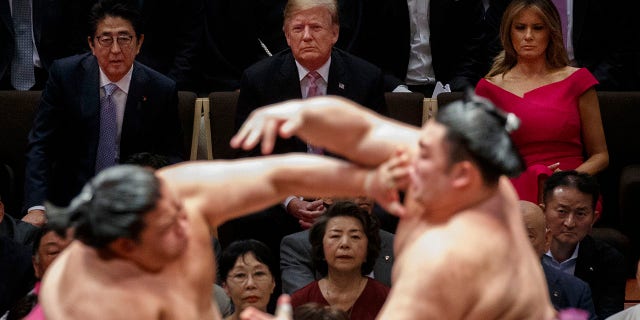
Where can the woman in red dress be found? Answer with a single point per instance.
(561, 128)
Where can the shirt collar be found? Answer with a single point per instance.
(574, 255)
(123, 84)
(323, 70)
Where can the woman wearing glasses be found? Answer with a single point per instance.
(247, 270)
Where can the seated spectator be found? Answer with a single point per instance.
(47, 245)
(557, 104)
(565, 291)
(316, 311)
(247, 268)
(569, 201)
(345, 244)
(632, 313)
(96, 110)
(311, 66)
(297, 267)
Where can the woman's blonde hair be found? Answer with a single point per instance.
(556, 54)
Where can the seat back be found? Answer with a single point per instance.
(222, 118)
(186, 112)
(447, 97)
(405, 106)
(17, 111)
(620, 112)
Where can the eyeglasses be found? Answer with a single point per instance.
(106, 41)
(242, 277)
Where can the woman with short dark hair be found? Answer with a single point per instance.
(345, 244)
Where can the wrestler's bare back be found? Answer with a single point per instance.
(81, 285)
(477, 265)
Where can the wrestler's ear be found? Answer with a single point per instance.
(463, 173)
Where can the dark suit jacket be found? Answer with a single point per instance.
(459, 39)
(377, 31)
(57, 28)
(603, 268)
(296, 264)
(228, 54)
(173, 31)
(275, 79)
(605, 41)
(63, 142)
(567, 291)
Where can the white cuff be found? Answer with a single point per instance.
(36, 208)
(286, 201)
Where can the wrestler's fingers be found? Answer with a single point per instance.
(269, 135)
(284, 311)
(290, 127)
(238, 139)
(251, 313)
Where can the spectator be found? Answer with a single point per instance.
(345, 244)
(46, 247)
(569, 206)
(311, 28)
(556, 103)
(316, 311)
(81, 127)
(296, 263)
(247, 268)
(565, 291)
(33, 35)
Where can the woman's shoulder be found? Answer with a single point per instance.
(579, 79)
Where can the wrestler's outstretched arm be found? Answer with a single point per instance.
(223, 190)
(334, 123)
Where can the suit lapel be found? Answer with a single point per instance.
(585, 267)
(288, 79)
(133, 111)
(89, 84)
(337, 82)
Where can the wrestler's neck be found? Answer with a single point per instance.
(455, 203)
(116, 260)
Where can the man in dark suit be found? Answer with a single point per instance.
(566, 291)
(57, 30)
(311, 29)
(81, 128)
(296, 263)
(459, 40)
(569, 200)
(311, 32)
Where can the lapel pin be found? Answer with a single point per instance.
(341, 85)
(386, 258)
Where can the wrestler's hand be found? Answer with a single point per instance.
(283, 311)
(384, 183)
(266, 123)
(306, 211)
